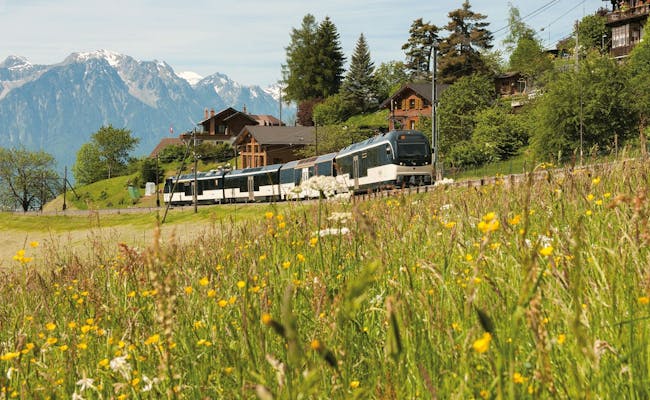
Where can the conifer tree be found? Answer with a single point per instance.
(299, 72)
(360, 85)
(460, 51)
(330, 59)
(419, 49)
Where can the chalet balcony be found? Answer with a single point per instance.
(638, 12)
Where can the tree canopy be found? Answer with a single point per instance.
(583, 109)
(360, 87)
(314, 61)
(423, 37)
(460, 51)
(105, 156)
(27, 178)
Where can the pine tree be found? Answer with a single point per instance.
(360, 85)
(330, 59)
(300, 71)
(418, 49)
(460, 51)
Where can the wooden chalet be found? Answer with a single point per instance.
(165, 142)
(411, 102)
(510, 84)
(266, 145)
(221, 127)
(626, 20)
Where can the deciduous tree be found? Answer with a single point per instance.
(27, 178)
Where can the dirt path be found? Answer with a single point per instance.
(78, 240)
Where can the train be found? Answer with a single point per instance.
(393, 159)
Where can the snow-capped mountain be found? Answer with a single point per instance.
(191, 77)
(57, 107)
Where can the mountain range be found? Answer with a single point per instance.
(56, 108)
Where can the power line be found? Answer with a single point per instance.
(531, 14)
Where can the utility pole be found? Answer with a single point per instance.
(157, 179)
(579, 83)
(65, 185)
(434, 115)
(194, 192)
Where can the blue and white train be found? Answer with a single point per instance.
(389, 160)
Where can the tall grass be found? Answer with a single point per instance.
(537, 291)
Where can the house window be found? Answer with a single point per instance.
(411, 124)
(411, 104)
(620, 36)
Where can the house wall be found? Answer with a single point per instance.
(407, 111)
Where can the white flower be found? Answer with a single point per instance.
(148, 383)
(341, 217)
(333, 231)
(76, 396)
(119, 364)
(327, 186)
(445, 181)
(85, 383)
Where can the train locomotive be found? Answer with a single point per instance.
(393, 159)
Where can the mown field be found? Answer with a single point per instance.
(541, 291)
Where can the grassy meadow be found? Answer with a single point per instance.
(536, 291)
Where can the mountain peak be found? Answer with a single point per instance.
(112, 57)
(191, 77)
(15, 62)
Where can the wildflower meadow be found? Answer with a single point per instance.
(540, 290)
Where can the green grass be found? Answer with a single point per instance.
(538, 292)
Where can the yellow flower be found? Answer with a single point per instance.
(204, 281)
(286, 264)
(189, 289)
(468, 257)
(153, 339)
(561, 338)
(212, 293)
(595, 181)
(546, 251)
(9, 356)
(50, 326)
(131, 294)
(262, 257)
(315, 344)
(515, 220)
(228, 370)
(222, 303)
(590, 197)
(518, 378)
(300, 257)
(489, 216)
(103, 363)
(266, 319)
(483, 344)
(313, 241)
(588, 213)
(241, 284)
(268, 215)
(51, 341)
(33, 244)
(82, 346)
(354, 384)
(450, 224)
(643, 300)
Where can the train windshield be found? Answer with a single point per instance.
(413, 152)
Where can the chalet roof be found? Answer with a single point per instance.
(165, 142)
(421, 89)
(227, 114)
(265, 119)
(293, 135)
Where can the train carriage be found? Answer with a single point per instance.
(253, 184)
(209, 188)
(393, 159)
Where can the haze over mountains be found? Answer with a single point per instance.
(56, 108)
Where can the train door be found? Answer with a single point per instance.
(251, 188)
(355, 171)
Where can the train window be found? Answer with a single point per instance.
(364, 155)
(388, 150)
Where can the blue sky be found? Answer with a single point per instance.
(245, 39)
